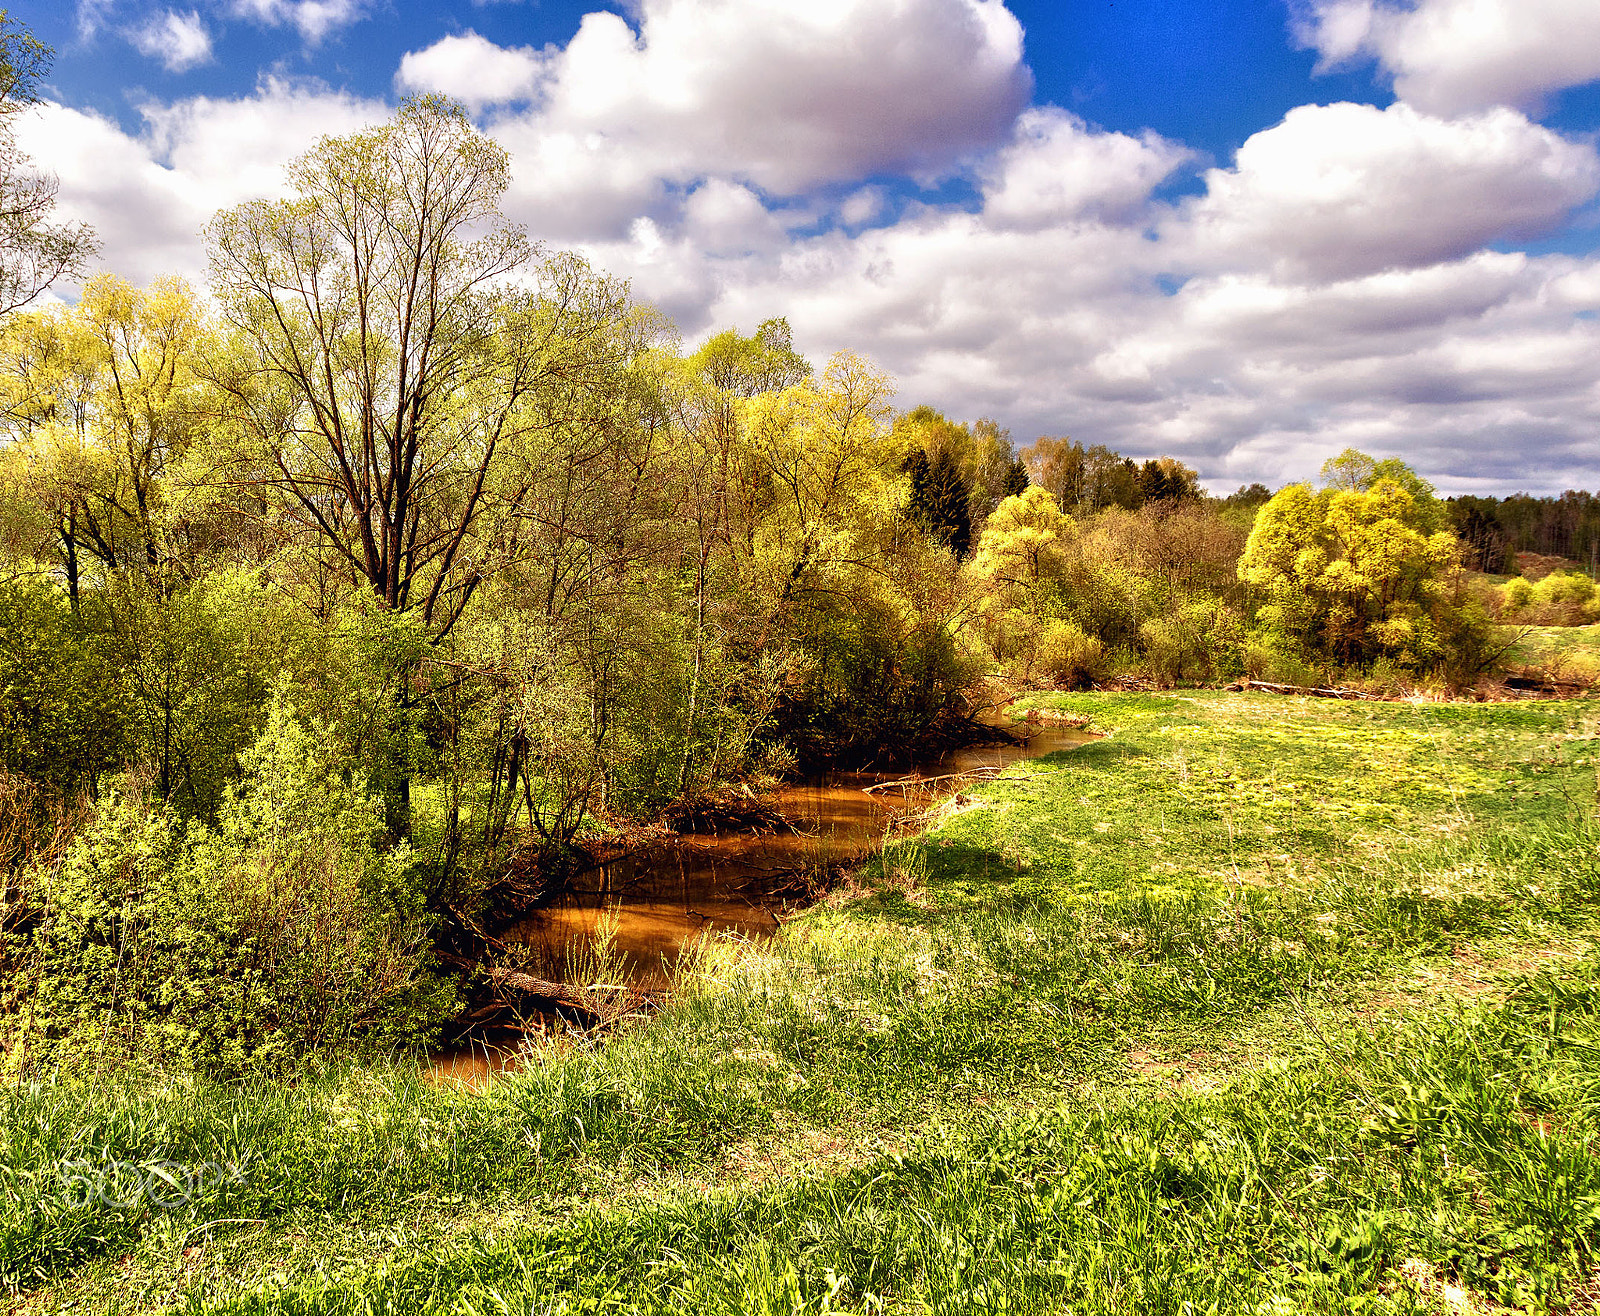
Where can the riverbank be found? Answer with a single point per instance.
(1258, 1003)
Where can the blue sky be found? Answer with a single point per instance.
(1239, 231)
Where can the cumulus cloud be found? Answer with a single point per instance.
(1056, 169)
(179, 41)
(1332, 284)
(1273, 352)
(1341, 190)
(313, 19)
(786, 97)
(474, 70)
(149, 195)
(1450, 56)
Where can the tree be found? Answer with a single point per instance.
(104, 400)
(383, 358)
(34, 251)
(997, 471)
(1356, 573)
(1353, 470)
(717, 483)
(1016, 479)
(1026, 541)
(940, 499)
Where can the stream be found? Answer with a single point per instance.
(737, 881)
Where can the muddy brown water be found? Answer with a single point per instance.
(737, 882)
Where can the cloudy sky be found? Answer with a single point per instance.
(1248, 233)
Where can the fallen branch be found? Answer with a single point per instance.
(563, 993)
(1321, 692)
(928, 781)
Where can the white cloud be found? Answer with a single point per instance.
(1332, 284)
(472, 69)
(313, 19)
(782, 96)
(1450, 56)
(1478, 366)
(92, 16)
(1341, 190)
(179, 41)
(148, 196)
(1057, 169)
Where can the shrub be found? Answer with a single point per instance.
(1562, 598)
(280, 931)
(62, 724)
(1197, 640)
(1069, 656)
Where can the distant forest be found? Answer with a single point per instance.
(1493, 530)
(1088, 478)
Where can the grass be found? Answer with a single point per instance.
(1257, 1004)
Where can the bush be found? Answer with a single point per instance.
(1067, 655)
(281, 931)
(1195, 641)
(1562, 598)
(62, 723)
(1268, 656)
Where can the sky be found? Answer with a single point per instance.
(1245, 233)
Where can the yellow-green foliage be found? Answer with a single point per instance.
(1069, 656)
(1355, 574)
(280, 931)
(1563, 598)
(1026, 541)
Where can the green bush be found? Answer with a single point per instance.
(1563, 598)
(62, 722)
(1069, 656)
(280, 931)
(1196, 641)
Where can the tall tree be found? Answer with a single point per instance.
(383, 356)
(104, 400)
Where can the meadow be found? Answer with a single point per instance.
(1255, 1004)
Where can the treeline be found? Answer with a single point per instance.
(1495, 530)
(1087, 479)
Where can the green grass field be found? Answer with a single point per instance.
(1255, 1005)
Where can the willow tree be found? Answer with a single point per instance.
(1357, 573)
(387, 343)
(103, 401)
(396, 353)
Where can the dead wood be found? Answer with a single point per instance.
(927, 781)
(564, 993)
(1321, 692)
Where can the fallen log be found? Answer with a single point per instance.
(1321, 692)
(562, 993)
(927, 781)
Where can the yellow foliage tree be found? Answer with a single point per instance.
(1356, 573)
(105, 403)
(1026, 540)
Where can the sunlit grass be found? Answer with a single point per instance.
(1178, 1017)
